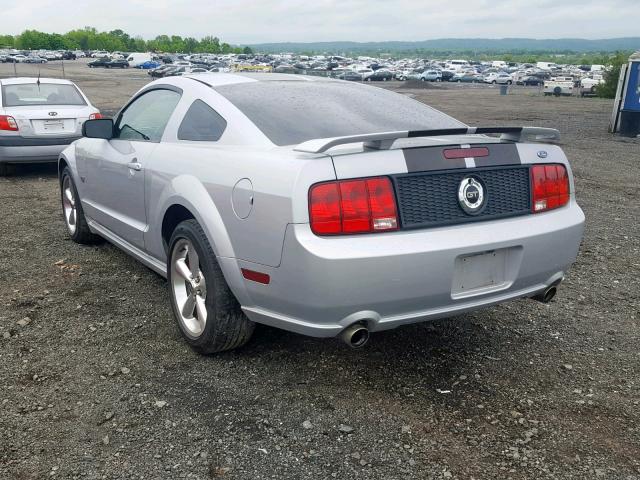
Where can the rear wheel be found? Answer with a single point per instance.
(73, 213)
(207, 312)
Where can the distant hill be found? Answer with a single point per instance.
(477, 45)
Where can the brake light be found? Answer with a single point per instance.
(8, 123)
(453, 153)
(95, 116)
(353, 206)
(550, 186)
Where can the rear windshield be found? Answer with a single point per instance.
(20, 95)
(291, 112)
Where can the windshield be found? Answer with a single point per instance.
(20, 95)
(292, 112)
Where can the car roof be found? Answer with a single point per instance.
(216, 79)
(27, 80)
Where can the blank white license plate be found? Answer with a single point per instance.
(480, 272)
(53, 125)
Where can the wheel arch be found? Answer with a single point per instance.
(195, 203)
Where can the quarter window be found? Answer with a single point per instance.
(201, 123)
(146, 118)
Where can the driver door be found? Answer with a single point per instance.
(116, 176)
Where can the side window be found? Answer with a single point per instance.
(201, 123)
(146, 118)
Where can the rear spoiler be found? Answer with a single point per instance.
(384, 140)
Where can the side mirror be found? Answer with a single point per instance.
(98, 128)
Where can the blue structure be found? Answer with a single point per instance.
(630, 112)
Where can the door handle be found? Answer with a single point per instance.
(135, 165)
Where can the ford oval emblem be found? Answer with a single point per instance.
(542, 154)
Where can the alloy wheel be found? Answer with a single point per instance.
(69, 205)
(188, 288)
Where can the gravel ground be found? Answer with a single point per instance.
(95, 381)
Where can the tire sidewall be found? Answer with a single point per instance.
(186, 230)
(79, 212)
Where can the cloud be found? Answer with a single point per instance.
(244, 21)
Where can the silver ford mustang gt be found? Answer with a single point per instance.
(319, 206)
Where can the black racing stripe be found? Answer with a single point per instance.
(499, 154)
(427, 159)
(432, 158)
(437, 133)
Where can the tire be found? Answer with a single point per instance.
(225, 326)
(77, 229)
(509, 82)
(493, 82)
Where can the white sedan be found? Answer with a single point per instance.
(39, 118)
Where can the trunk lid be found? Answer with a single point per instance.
(50, 120)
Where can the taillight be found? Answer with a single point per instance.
(550, 186)
(95, 116)
(8, 123)
(353, 206)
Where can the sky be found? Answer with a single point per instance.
(247, 22)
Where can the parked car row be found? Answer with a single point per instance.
(39, 56)
(108, 62)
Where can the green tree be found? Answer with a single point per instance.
(6, 41)
(611, 77)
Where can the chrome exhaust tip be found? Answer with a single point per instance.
(547, 295)
(356, 336)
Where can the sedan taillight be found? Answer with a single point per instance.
(8, 123)
(353, 206)
(95, 116)
(550, 186)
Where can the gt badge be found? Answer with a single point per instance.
(471, 195)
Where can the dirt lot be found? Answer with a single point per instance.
(95, 381)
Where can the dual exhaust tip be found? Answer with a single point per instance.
(547, 295)
(357, 335)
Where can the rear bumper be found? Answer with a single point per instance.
(325, 284)
(20, 149)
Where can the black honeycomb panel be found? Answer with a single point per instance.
(430, 199)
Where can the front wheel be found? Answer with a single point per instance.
(208, 314)
(73, 213)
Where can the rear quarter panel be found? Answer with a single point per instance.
(202, 178)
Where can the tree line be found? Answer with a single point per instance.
(89, 38)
